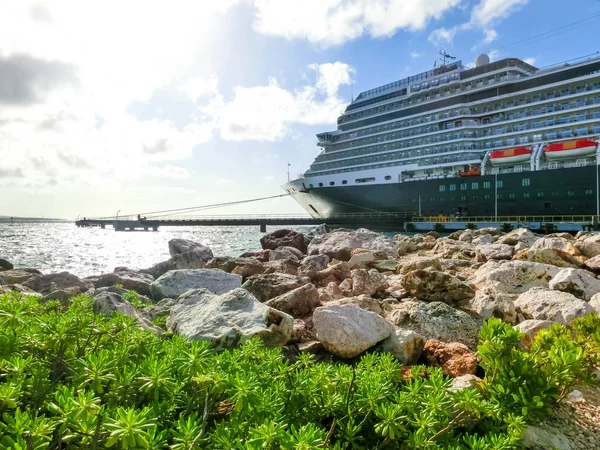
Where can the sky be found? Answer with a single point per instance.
(142, 106)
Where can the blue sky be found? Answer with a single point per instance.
(174, 104)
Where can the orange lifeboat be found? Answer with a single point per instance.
(570, 149)
(512, 156)
(472, 172)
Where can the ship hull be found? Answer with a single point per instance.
(565, 191)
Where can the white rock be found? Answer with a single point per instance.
(531, 328)
(595, 303)
(181, 246)
(405, 345)
(109, 303)
(496, 252)
(229, 319)
(493, 301)
(176, 282)
(483, 240)
(521, 237)
(575, 396)
(367, 282)
(537, 437)
(464, 382)
(546, 304)
(589, 244)
(347, 331)
(580, 283)
(516, 276)
(339, 244)
(361, 258)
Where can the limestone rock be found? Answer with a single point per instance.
(339, 244)
(384, 265)
(18, 276)
(285, 252)
(516, 276)
(228, 263)
(593, 263)
(312, 264)
(493, 301)
(575, 396)
(449, 248)
(299, 302)
(176, 282)
(468, 381)
(44, 284)
(557, 243)
(330, 292)
(436, 320)
(531, 328)
(229, 319)
(495, 252)
(194, 259)
(181, 246)
(433, 286)
(267, 286)
(588, 244)
(129, 279)
(578, 282)
(347, 331)
(405, 345)
(545, 438)
(483, 240)
(63, 296)
(419, 262)
(109, 303)
(160, 309)
(5, 265)
(7, 288)
(260, 256)
(283, 238)
(247, 270)
(519, 236)
(552, 256)
(454, 358)
(346, 287)
(288, 266)
(339, 272)
(360, 259)
(546, 304)
(303, 331)
(595, 303)
(362, 301)
(367, 282)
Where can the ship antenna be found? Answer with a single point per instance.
(351, 91)
(445, 56)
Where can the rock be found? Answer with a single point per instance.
(288, 266)
(362, 301)
(5, 265)
(176, 282)
(556, 243)
(516, 276)
(267, 286)
(247, 271)
(129, 279)
(312, 264)
(427, 243)
(593, 263)
(18, 276)
(545, 304)
(189, 260)
(367, 282)
(330, 292)
(496, 252)
(436, 320)
(63, 296)
(454, 358)
(394, 283)
(531, 328)
(550, 439)
(468, 381)
(419, 262)
(299, 302)
(303, 330)
(182, 246)
(283, 238)
(346, 287)
(578, 282)
(109, 303)
(285, 253)
(595, 303)
(449, 248)
(347, 331)
(228, 263)
(7, 288)
(160, 309)
(433, 286)
(493, 301)
(339, 244)
(519, 236)
(483, 240)
(552, 256)
(339, 272)
(45, 284)
(588, 244)
(405, 345)
(260, 256)
(360, 259)
(385, 265)
(575, 396)
(310, 347)
(229, 319)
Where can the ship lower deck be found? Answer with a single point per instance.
(564, 191)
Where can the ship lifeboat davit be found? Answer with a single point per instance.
(512, 156)
(472, 172)
(570, 149)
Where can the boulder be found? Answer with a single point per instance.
(229, 319)
(434, 286)
(361, 259)
(419, 262)
(493, 301)
(468, 381)
(45, 284)
(519, 236)
(109, 303)
(516, 276)
(347, 331)
(312, 264)
(593, 263)
(176, 282)
(552, 256)
(303, 331)
(189, 260)
(7, 288)
(267, 286)
(487, 252)
(340, 244)
(283, 238)
(288, 266)
(338, 272)
(299, 302)
(228, 263)
(261, 256)
(346, 287)
(247, 270)
(437, 320)
(558, 243)
(181, 246)
(405, 345)
(384, 265)
(483, 240)
(588, 244)
(160, 309)
(531, 328)
(63, 296)
(545, 438)
(5, 265)
(427, 243)
(449, 248)
(367, 282)
(362, 301)
(595, 303)
(454, 358)
(330, 292)
(285, 253)
(129, 279)
(18, 276)
(545, 304)
(578, 282)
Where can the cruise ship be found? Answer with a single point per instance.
(501, 138)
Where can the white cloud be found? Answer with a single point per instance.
(167, 171)
(414, 54)
(487, 12)
(490, 36)
(333, 22)
(442, 36)
(494, 55)
(199, 87)
(530, 61)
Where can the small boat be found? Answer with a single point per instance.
(570, 149)
(472, 172)
(512, 156)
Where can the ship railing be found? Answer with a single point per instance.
(238, 217)
(582, 218)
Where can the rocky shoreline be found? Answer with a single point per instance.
(337, 294)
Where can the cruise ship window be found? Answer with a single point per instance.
(486, 184)
(463, 197)
(453, 187)
(344, 181)
(511, 195)
(525, 182)
(320, 184)
(463, 186)
(551, 135)
(537, 138)
(332, 183)
(566, 133)
(442, 188)
(310, 185)
(540, 194)
(570, 193)
(388, 177)
(432, 199)
(523, 140)
(588, 192)
(475, 185)
(475, 197)
(554, 194)
(500, 183)
(486, 197)
(526, 194)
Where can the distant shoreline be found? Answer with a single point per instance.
(4, 219)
